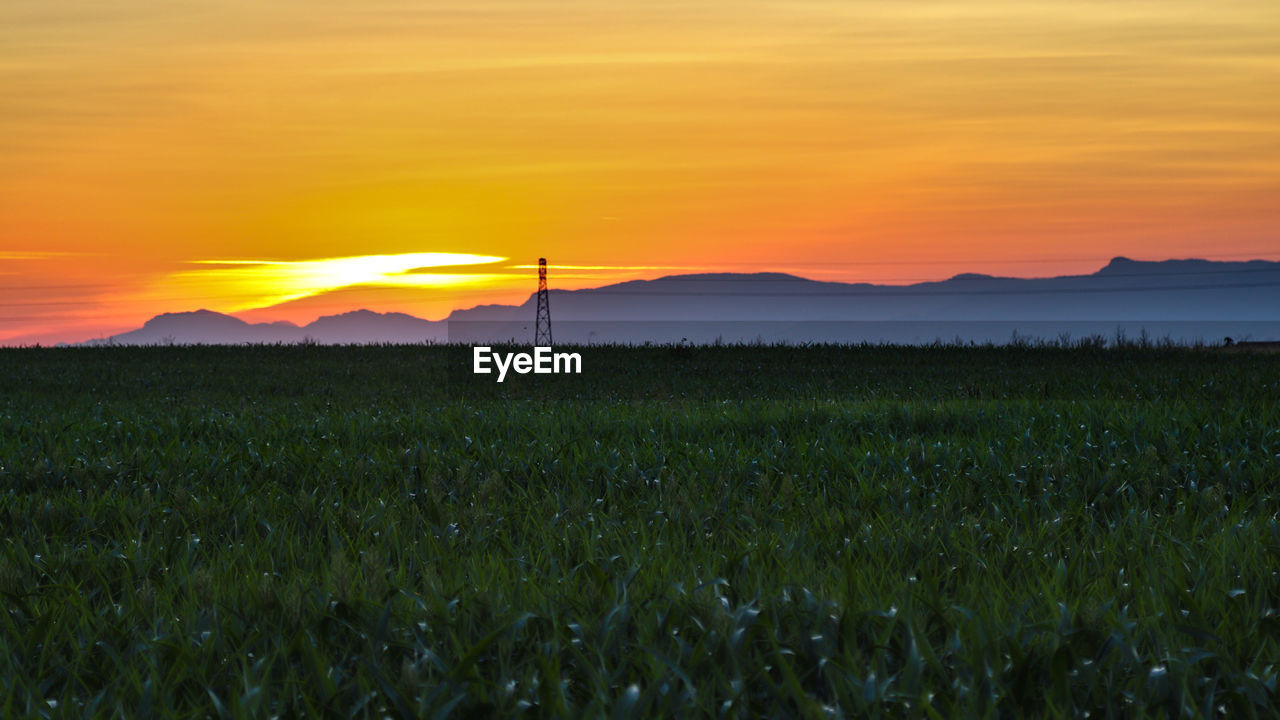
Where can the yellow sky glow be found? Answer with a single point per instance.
(251, 284)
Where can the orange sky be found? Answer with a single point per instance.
(887, 141)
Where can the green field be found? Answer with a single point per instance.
(723, 532)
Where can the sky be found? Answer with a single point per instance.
(290, 159)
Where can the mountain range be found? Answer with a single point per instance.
(205, 327)
(1184, 300)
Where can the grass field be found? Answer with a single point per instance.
(722, 532)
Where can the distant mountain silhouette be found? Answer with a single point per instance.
(1123, 290)
(1185, 300)
(205, 327)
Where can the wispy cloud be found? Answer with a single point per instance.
(246, 284)
(33, 255)
(621, 268)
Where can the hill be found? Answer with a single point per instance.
(205, 327)
(1183, 300)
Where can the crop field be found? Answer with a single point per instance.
(934, 532)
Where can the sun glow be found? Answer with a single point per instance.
(238, 285)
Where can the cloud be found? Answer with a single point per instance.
(33, 255)
(247, 284)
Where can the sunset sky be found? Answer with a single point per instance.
(288, 159)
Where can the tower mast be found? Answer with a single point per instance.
(542, 325)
